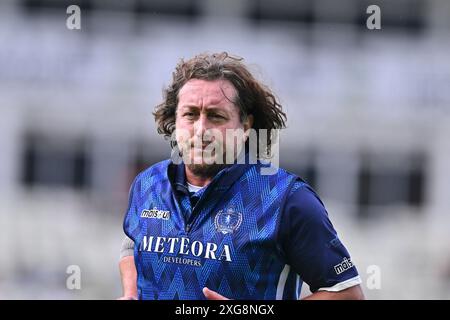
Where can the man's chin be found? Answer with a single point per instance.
(205, 170)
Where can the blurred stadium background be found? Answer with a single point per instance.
(368, 127)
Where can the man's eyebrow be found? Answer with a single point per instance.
(207, 108)
(188, 106)
(216, 109)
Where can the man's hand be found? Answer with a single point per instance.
(127, 298)
(128, 276)
(353, 293)
(212, 295)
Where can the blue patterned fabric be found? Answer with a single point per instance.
(249, 236)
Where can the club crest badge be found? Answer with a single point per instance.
(228, 221)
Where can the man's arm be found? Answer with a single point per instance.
(314, 250)
(352, 293)
(128, 273)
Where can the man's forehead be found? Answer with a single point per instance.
(197, 91)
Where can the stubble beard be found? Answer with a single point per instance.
(206, 170)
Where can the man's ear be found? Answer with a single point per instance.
(248, 123)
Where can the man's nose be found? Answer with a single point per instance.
(200, 126)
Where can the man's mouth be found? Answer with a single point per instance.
(203, 145)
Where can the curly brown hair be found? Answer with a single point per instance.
(253, 97)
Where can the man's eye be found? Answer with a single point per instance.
(216, 116)
(189, 114)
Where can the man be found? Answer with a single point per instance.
(208, 223)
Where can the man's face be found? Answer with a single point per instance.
(205, 113)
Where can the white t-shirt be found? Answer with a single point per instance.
(193, 188)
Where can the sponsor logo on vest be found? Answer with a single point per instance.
(343, 266)
(228, 221)
(179, 260)
(155, 214)
(184, 246)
